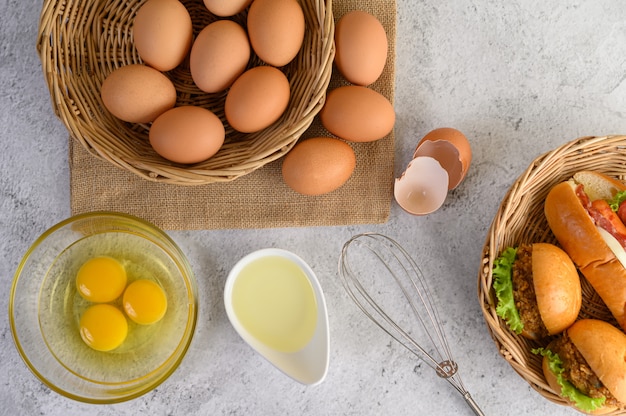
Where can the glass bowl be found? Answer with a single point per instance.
(45, 308)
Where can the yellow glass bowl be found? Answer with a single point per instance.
(45, 308)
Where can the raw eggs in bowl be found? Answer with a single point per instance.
(89, 341)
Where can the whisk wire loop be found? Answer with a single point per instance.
(394, 262)
(434, 363)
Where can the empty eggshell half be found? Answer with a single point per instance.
(423, 186)
(451, 149)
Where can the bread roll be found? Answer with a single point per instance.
(538, 289)
(557, 287)
(585, 244)
(604, 349)
(554, 385)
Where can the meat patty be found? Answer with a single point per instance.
(578, 372)
(524, 293)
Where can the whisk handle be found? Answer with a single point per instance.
(470, 401)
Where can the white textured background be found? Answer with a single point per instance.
(518, 78)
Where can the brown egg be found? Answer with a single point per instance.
(319, 165)
(137, 93)
(219, 55)
(276, 30)
(187, 134)
(257, 99)
(162, 33)
(357, 114)
(361, 47)
(226, 8)
(451, 149)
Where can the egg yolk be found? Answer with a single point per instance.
(144, 302)
(101, 279)
(103, 327)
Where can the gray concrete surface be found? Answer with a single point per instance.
(518, 78)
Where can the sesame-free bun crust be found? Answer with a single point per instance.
(604, 348)
(581, 240)
(557, 287)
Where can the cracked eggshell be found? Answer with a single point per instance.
(423, 186)
(451, 149)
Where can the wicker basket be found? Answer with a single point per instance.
(81, 41)
(520, 219)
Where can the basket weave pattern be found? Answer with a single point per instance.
(80, 42)
(520, 219)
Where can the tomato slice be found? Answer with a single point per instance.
(605, 210)
(621, 212)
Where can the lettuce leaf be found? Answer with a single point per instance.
(616, 201)
(568, 391)
(503, 286)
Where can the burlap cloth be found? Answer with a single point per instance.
(259, 199)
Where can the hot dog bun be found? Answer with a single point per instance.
(598, 185)
(586, 245)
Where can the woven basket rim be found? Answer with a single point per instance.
(523, 201)
(79, 42)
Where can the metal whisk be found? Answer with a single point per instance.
(375, 269)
